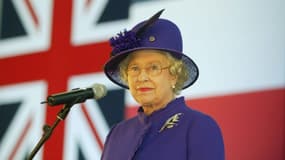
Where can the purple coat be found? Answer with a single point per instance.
(175, 132)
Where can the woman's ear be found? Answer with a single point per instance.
(174, 80)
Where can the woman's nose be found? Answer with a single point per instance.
(143, 75)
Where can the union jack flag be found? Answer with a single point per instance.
(50, 46)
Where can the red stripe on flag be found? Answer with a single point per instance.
(24, 68)
(252, 123)
(33, 14)
(20, 140)
(94, 131)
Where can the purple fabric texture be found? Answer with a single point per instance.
(193, 136)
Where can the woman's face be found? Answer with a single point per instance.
(147, 84)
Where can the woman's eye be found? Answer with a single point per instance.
(154, 67)
(134, 68)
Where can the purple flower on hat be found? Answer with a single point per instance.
(123, 41)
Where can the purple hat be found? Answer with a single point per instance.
(155, 33)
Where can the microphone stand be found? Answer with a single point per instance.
(61, 115)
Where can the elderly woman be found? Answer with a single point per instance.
(148, 60)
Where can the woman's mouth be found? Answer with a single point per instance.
(144, 89)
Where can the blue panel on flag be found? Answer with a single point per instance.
(112, 106)
(10, 25)
(7, 113)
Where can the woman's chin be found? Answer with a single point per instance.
(145, 101)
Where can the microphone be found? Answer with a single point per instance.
(77, 95)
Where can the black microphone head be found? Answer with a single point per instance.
(99, 90)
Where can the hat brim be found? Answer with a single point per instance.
(111, 68)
